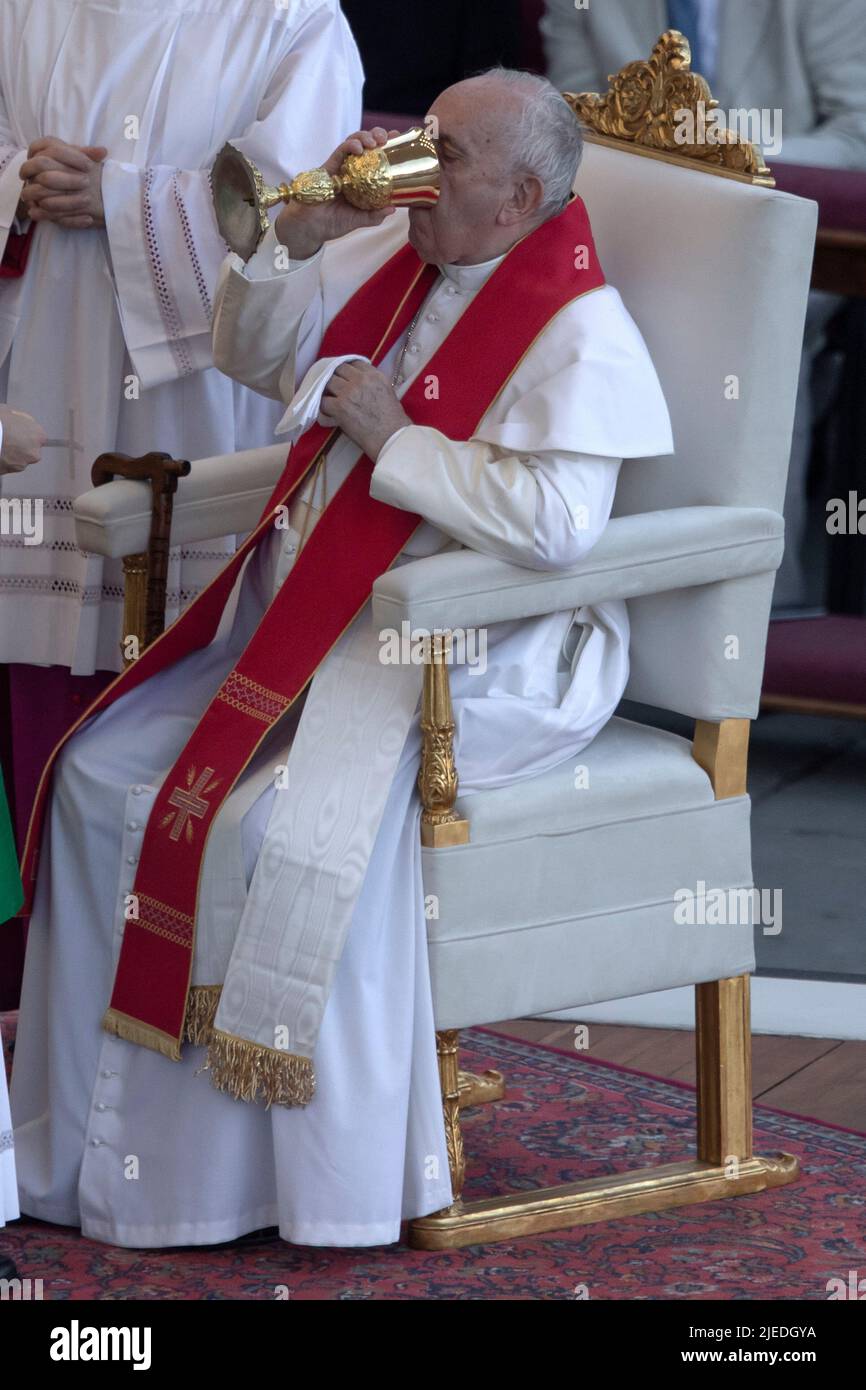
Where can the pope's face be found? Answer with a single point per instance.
(471, 221)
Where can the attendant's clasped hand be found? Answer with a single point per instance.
(62, 183)
(361, 402)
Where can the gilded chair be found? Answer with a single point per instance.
(552, 897)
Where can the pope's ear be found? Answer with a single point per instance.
(527, 194)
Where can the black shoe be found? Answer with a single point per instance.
(7, 1268)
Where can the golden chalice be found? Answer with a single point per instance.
(404, 172)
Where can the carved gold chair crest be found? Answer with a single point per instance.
(653, 106)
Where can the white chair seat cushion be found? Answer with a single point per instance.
(565, 894)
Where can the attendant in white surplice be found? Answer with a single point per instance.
(106, 336)
(21, 440)
(317, 885)
(8, 1190)
(10, 901)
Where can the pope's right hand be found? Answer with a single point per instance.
(304, 227)
(22, 440)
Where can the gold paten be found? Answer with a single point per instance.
(437, 778)
(642, 107)
(404, 172)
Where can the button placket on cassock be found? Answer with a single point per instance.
(420, 349)
(106, 1142)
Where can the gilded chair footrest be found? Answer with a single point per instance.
(598, 1199)
(479, 1087)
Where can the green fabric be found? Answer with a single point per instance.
(11, 892)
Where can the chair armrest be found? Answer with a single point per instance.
(644, 554)
(222, 496)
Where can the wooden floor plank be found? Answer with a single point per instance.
(832, 1088)
(821, 1077)
(659, 1051)
(775, 1058)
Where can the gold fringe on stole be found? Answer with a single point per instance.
(144, 1034)
(243, 1069)
(250, 1071)
(201, 1007)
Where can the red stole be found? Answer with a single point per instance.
(356, 540)
(16, 252)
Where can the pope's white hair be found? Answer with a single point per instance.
(548, 141)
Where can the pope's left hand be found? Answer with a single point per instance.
(361, 402)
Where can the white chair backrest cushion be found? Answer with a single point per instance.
(716, 274)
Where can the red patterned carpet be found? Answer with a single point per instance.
(564, 1117)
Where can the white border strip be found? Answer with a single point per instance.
(796, 1008)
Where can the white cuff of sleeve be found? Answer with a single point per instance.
(271, 261)
(387, 483)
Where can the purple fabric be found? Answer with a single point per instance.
(839, 193)
(45, 701)
(818, 658)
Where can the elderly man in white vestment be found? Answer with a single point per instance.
(141, 1151)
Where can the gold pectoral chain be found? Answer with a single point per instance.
(397, 378)
(321, 468)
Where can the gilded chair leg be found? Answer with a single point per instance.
(437, 777)
(447, 1043)
(723, 752)
(724, 1167)
(724, 1058)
